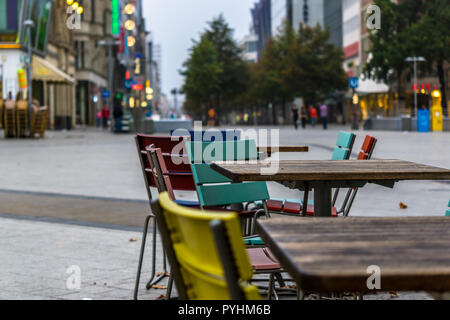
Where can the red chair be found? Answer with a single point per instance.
(365, 154)
(180, 176)
(295, 208)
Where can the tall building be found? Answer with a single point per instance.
(332, 18)
(308, 12)
(92, 46)
(262, 24)
(249, 46)
(351, 23)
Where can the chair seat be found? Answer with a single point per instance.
(292, 207)
(310, 211)
(187, 203)
(262, 259)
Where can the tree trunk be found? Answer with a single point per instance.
(274, 114)
(441, 75)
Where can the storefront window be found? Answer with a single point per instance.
(9, 19)
(39, 11)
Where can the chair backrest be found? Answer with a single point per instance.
(209, 135)
(344, 146)
(367, 148)
(214, 189)
(193, 254)
(448, 211)
(181, 174)
(159, 171)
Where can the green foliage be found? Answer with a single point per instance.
(215, 73)
(313, 65)
(410, 28)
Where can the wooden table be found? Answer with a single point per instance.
(332, 255)
(270, 150)
(322, 175)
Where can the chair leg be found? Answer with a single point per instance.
(352, 199)
(141, 257)
(152, 280)
(169, 287)
(271, 284)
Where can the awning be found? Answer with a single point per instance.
(370, 86)
(45, 71)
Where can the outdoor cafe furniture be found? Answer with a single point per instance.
(323, 175)
(206, 252)
(339, 255)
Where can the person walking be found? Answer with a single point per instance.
(313, 115)
(118, 114)
(105, 116)
(99, 118)
(304, 116)
(295, 116)
(324, 115)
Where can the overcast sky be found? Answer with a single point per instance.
(174, 23)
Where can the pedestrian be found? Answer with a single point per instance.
(324, 115)
(99, 118)
(118, 114)
(105, 116)
(313, 115)
(304, 116)
(295, 116)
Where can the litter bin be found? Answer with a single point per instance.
(423, 120)
(437, 120)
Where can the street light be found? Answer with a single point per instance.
(415, 60)
(28, 24)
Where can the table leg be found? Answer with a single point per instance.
(322, 199)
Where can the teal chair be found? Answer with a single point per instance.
(215, 190)
(342, 151)
(447, 214)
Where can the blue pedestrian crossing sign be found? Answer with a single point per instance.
(354, 82)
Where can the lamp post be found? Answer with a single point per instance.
(415, 60)
(28, 24)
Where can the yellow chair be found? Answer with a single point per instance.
(201, 270)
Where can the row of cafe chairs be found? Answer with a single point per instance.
(14, 118)
(181, 171)
(262, 261)
(447, 214)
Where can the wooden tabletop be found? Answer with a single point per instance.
(323, 170)
(332, 255)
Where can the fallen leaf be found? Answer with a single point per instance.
(105, 284)
(133, 240)
(155, 286)
(161, 297)
(403, 206)
(393, 294)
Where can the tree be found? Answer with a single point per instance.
(268, 73)
(410, 28)
(431, 39)
(234, 79)
(202, 77)
(313, 66)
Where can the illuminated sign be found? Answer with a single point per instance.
(115, 17)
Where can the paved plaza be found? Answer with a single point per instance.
(53, 195)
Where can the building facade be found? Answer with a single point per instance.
(262, 24)
(91, 48)
(332, 17)
(52, 65)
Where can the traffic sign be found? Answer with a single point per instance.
(106, 94)
(354, 82)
